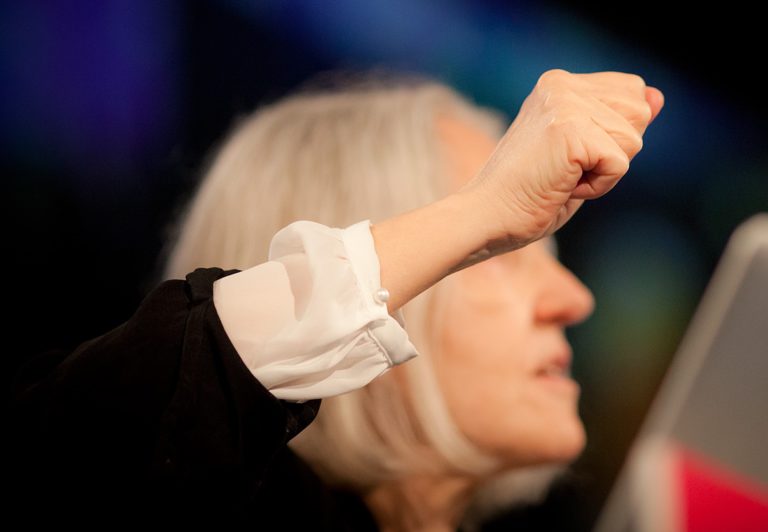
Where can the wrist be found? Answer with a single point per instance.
(468, 220)
(418, 248)
(492, 237)
(481, 203)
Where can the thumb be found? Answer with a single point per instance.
(655, 99)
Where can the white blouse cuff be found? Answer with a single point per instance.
(308, 322)
(389, 332)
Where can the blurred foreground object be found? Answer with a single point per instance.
(699, 462)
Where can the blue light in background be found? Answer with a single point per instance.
(95, 84)
(88, 85)
(495, 56)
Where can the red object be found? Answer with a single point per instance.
(717, 499)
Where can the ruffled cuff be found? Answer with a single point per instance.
(308, 323)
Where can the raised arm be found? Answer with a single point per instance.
(572, 141)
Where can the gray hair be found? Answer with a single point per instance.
(368, 151)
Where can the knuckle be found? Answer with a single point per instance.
(636, 81)
(645, 113)
(624, 162)
(553, 77)
(636, 144)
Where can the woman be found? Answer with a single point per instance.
(421, 441)
(490, 337)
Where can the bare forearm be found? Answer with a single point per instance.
(418, 248)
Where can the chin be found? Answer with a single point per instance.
(558, 447)
(569, 443)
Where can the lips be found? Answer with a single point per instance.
(557, 364)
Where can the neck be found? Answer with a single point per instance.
(434, 504)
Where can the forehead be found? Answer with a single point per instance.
(465, 146)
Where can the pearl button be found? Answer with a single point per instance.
(381, 295)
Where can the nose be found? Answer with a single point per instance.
(563, 298)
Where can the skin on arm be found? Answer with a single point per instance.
(420, 247)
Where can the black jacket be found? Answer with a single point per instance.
(160, 421)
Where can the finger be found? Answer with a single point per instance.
(620, 81)
(607, 164)
(655, 99)
(626, 93)
(636, 111)
(619, 128)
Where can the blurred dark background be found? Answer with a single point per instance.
(110, 109)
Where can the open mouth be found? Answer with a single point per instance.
(554, 370)
(556, 375)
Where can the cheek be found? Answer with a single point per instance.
(482, 367)
(484, 332)
(485, 371)
(486, 312)
(511, 415)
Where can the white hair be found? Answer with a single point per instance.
(368, 151)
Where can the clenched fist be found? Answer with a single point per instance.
(572, 140)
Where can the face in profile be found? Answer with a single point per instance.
(504, 362)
